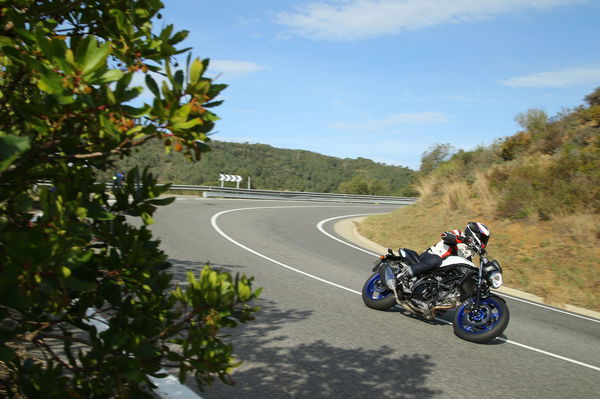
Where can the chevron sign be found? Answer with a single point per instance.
(234, 178)
(223, 178)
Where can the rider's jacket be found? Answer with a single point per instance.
(452, 243)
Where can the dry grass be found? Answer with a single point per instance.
(556, 259)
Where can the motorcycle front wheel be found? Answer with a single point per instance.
(483, 324)
(375, 295)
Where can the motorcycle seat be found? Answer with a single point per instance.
(409, 256)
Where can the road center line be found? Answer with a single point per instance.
(214, 224)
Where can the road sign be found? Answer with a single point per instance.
(235, 178)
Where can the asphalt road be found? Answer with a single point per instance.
(314, 337)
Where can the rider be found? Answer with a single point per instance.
(453, 242)
(118, 178)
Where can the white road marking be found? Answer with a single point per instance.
(322, 230)
(531, 348)
(213, 222)
(539, 305)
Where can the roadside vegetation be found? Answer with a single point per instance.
(538, 191)
(88, 303)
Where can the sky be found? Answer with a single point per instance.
(388, 79)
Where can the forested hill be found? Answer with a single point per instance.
(273, 169)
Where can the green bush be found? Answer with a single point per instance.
(512, 146)
(550, 168)
(542, 187)
(68, 255)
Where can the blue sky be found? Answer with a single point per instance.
(387, 79)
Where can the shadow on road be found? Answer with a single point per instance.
(181, 267)
(276, 365)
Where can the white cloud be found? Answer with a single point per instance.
(355, 19)
(394, 120)
(558, 79)
(233, 68)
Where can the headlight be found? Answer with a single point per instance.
(495, 279)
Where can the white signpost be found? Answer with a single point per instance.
(223, 178)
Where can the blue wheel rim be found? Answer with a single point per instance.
(373, 293)
(480, 320)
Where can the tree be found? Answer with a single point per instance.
(69, 258)
(359, 184)
(593, 99)
(434, 156)
(534, 121)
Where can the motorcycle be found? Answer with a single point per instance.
(456, 284)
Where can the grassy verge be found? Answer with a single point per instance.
(557, 259)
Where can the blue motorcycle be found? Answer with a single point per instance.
(457, 283)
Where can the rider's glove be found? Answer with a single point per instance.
(468, 240)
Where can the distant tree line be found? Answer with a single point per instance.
(271, 168)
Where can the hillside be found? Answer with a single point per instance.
(538, 191)
(271, 168)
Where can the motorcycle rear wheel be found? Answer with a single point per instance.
(375, 295)
(484, 324)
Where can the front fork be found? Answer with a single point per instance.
(480, 285)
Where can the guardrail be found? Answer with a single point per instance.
(223, 192)
(244, 193)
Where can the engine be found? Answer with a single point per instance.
(429, 292)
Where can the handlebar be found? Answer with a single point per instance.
(478, 250)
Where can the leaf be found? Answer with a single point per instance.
(209, 116)
(161, 201)
(187, 124)
(69, 56)
(178, 37)
(212, 104)
(134, 130)
(95, 56)
(119, 18)
(151, 83)
(136, 112)
(6, 41)
(110, 76)
(147, 218)
(42, 42)
(10, 149)
(200, 87)
(110, 96)
(129, 95)
(178, 80)
(51, 83)
(182, 113)
(196, 70)
(244, 292)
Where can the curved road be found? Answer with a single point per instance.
(314, 338)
